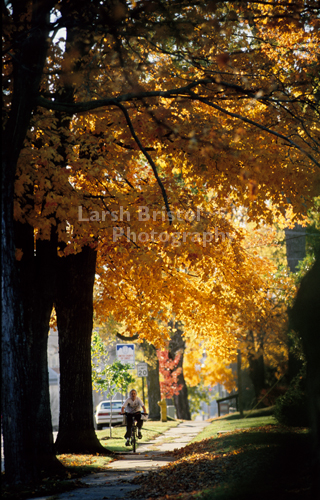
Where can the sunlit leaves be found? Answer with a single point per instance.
(215, 93)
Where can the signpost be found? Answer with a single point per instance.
(142, 371)
(125, 354)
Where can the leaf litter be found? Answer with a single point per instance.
(237, 456)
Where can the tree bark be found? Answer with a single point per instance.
(37, 271)
(257, 373)
(256, 367)
(18, 423)
(74, 308)
(14, 352)
(154, 395)
(181, 402)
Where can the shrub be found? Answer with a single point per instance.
(291, 408)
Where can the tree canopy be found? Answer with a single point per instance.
(142, 130)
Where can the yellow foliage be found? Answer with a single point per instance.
(218, 125)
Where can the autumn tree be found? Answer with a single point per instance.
(169, 370)
(259, 330)
(177, 346)
(26, 452)
(214, 64)
(153, 380)
(206, 370)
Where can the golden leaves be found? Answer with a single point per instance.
(207, 153)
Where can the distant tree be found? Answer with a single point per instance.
(170, 372)
(177, 346)
(197, 395)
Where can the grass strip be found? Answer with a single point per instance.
(236, 459)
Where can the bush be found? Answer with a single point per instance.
(291, 408)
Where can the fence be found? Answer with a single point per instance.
(225, 407)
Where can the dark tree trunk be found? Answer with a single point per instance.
(181, 402)
(154, 395)
(256, 367)
(17, 421)
(14, 353)
(37, 271)
(74, 308)
(305, 319)
(257, 373)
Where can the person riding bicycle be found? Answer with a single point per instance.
(133, 405)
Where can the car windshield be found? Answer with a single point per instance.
(115, 405)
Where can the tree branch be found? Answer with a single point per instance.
(82, 107)
(123, 337)
(256, 124)
(150, 160)
(185, 91)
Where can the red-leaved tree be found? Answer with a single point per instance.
(168, 369)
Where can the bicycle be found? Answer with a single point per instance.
(134, 431)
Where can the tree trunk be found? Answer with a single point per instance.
(181, 402)
(37, 271)
(154, 395)
(14, 353)
(17, 421)
(257, 373)
(74, 308)
(256, 367)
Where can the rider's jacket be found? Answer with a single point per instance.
(133, 406)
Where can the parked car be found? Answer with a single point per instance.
(102, 414)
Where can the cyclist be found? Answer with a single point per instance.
(133, 405)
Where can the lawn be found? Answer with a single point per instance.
(150, 430)
(85, 464)
(232, 422)
(237, 459)
(231, 459)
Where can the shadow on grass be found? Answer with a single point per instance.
(263, 412)
(247, 464)
(244, 438)
(270, 465)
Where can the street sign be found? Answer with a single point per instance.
(125, 354)
(142, 370)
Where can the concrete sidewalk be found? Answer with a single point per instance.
(113, 483)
